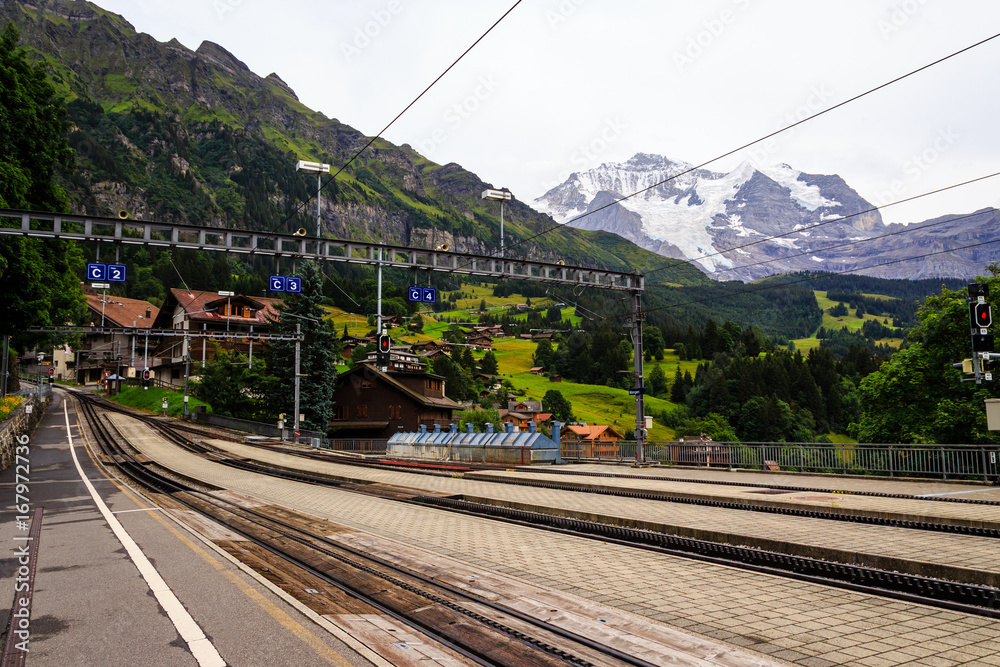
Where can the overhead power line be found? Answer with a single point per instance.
(756, 141)
(398, 116)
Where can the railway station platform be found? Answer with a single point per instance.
(796, 621)
(146, 591)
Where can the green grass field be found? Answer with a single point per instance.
(151, 400)
(593, 404)
(849, 322)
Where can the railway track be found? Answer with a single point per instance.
(969, 598)
(478, 630)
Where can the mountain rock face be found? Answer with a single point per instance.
(759, 221)
(170, 133)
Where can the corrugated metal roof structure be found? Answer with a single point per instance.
(508, 446)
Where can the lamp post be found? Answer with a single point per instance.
(104, 297)
(298, 347)
(318, 168)
(229, 306)
(500, 196)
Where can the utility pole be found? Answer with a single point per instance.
(3, 368)
(187, 368)
(639, 389)
(298, 347)
(378, 324)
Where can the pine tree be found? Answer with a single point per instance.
(318, 354)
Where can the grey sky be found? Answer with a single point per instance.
(563, 85)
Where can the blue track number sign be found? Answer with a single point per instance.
(97, 271)
(116, 273)
(277, 283)
(421, 294)
(293, 284)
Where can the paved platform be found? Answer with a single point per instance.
(801, 622)
(973, 490)
(93, 607)
(956, 557)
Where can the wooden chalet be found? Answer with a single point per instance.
(101, 355)
(228, 318)
(594, 441)
(369, 403)
(479, 341)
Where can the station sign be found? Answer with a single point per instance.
(421, 294)
(292, 284)
(115, 273)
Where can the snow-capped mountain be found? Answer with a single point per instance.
(727, 223)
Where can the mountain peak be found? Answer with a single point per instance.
(706, 215)
(276, 80)
(221, 57)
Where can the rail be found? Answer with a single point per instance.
(971, 462)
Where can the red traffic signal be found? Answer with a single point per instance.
(982, 317)
(52, 372)
(384, 343)
(145, 374)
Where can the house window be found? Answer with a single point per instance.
(395, 412)
(340, 412)
(362, 411)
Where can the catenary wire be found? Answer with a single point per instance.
(398, 116)
(755, 141)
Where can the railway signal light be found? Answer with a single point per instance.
(982, 317)
(384, 345)
(52, 373)
(145, 379)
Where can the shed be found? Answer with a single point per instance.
(507, 447)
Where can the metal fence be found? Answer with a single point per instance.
(360, 445)
(261, 428)
(33, 388)
(932, 461)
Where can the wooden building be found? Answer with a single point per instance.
(369, 403)
(230, 319)
(594, 441)
(101, 355)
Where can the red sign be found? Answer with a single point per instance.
(297, 433)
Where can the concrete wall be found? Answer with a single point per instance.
(19, 423)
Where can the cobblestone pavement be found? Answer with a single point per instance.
(801, 622)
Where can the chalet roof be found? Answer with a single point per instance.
(593, 431)
(199, 300)
(524, 406)
(122, 312)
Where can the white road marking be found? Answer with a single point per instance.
(955, 493)
(141, 509)
(200, 646)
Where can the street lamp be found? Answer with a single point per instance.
(229, 307)
(501, 196)
(318, 168)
